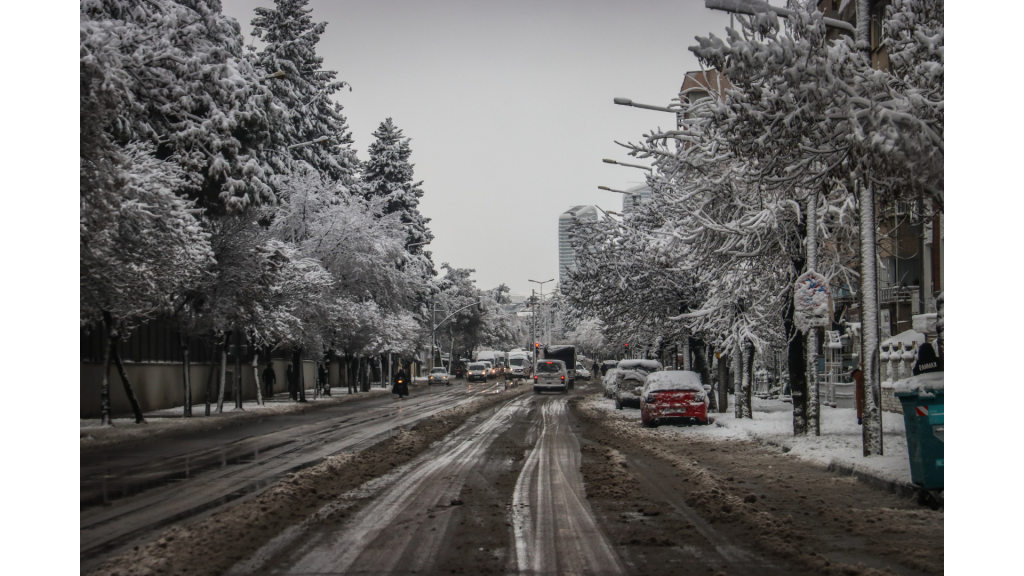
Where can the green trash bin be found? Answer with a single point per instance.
(921, 397)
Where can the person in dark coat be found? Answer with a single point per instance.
(325, 386)
(269, 379)
(293, 385)
(401, 384)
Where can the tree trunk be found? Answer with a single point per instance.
(186, 376)
(238, 369)
(222, 374)
(813, 401)
(105, 417)
(724, 384)
(709, 360)
(699, 360)
(797, 361)
(737, 373)
(114, 339)
(300, 374)
(139, 419)
(209, 379)
(256, 375)
(348, 373)
(748, 378)
(871, 421)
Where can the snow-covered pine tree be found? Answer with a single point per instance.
(173, 74)
(389, 175)
(290, 37)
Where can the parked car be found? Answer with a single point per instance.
(645, 366)
(675, 396)
(477, 371)
(630, 376)
(581, 372)
(627, 388)
(550, 375)
(610, 381)
(438, 376)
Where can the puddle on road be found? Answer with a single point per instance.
(110, 488)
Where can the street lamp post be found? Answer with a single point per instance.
(617, 163)
(541, 290)
(433, 339)
(636, 197)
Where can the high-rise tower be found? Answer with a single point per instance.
(566, 254)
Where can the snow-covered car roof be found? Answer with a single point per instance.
(610, 363)
(680, 380)
(632, 375)
(646, 365)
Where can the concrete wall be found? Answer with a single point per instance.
(158, 385)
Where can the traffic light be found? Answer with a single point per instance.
(536, 345)
(627, 345)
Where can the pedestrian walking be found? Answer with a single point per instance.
(594, 368)
(293, 383)
(401, 384)
(322, 377)
(269, 379)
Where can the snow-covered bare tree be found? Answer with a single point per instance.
(140, 244)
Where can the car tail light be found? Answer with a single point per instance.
(563, 378)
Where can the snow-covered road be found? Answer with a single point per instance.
(129, 494)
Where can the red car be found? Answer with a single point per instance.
(673, 396)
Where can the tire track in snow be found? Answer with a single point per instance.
(555, 529)
(371, 541)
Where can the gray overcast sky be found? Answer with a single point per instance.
(509, 107)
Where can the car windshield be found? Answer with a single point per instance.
(477, 367)
(516, 361)
(438, 371)
(579, 366)
(549, 367)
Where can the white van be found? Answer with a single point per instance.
(519, 365)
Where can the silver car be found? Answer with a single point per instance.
(551, 376)
(581, 372)
(439, 376)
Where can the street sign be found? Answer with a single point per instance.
(811, 301)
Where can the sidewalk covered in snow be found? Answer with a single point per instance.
(840, 442)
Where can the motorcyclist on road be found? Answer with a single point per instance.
(401, 384)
